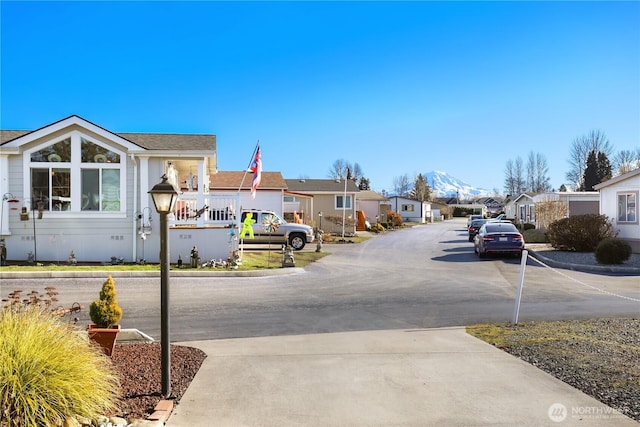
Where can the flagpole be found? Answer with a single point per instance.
(238, 207)
(255, 150)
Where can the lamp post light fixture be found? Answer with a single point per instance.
(39, 205)
(164, 197)
(320, 216)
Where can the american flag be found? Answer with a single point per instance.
(256, 168)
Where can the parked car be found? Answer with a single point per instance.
(475, 227)
(268, 227)
(498, 237)
(472, 217)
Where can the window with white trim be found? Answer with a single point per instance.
(54, 172)
(342, 202)
(628, 206)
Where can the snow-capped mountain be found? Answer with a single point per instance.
(445, 185)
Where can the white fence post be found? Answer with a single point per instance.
(516, 308)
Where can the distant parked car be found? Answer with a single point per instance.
(472, 217)
(498, 237)
(475, 227)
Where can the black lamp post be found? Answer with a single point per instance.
(39, 205)
(164, 197)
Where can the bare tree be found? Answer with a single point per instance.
(549, 210)
(596, 141)
(626, 160)
(401, 185)
(514, 183)
(342, 168)
(338, 169)
(537, 173)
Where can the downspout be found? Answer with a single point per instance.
(134, 249)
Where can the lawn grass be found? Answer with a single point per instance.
(252, 260)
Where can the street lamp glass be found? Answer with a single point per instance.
(164, 196)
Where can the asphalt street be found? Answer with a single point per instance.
(420, 277)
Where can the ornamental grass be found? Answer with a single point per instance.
(50, 373)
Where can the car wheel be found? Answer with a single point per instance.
(297, 241)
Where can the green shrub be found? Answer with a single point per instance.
(49, 373)
(580, 233)
(376, 228)
(534, 236)
(105, 311)
(613, 251)
(528, 226)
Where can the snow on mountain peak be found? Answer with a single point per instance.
(444, 185)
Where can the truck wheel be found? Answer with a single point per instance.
(297, 241)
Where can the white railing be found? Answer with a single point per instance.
(213, 210)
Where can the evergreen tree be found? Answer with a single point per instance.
(364, 184)
(604, 167)
(590, 177)
(421, 190)
(598, 169)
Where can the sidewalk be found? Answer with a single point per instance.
(421, 377)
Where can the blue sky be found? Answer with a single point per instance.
(397, 87)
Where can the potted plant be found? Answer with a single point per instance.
(105, 313)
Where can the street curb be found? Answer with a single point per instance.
(586, 268)
(99, 274)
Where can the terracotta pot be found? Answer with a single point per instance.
(104, 337)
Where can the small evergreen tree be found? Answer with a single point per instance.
(105, 311)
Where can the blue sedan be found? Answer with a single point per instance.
(498, 237)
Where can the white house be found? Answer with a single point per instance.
(524, 208)
(411, 210)
(619, 201)
(75, 186)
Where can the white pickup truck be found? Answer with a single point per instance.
(270, 228)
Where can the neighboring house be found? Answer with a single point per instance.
(333, 198)
(373, 205)
(619, 201)
(573, 203)
(492, 206)
(510, 209)
(411, 210)
(524, 208)
(437, 211)
(91, 185)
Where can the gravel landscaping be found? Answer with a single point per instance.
(600, 357)
(140, 376)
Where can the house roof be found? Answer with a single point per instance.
(148, 141)
(526, 195)
(410, 199)
(230, 180)
(321, 186)
(371, 195)
(617, 179)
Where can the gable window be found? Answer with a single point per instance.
(628, 207)
(342, 202)
(76, 174)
